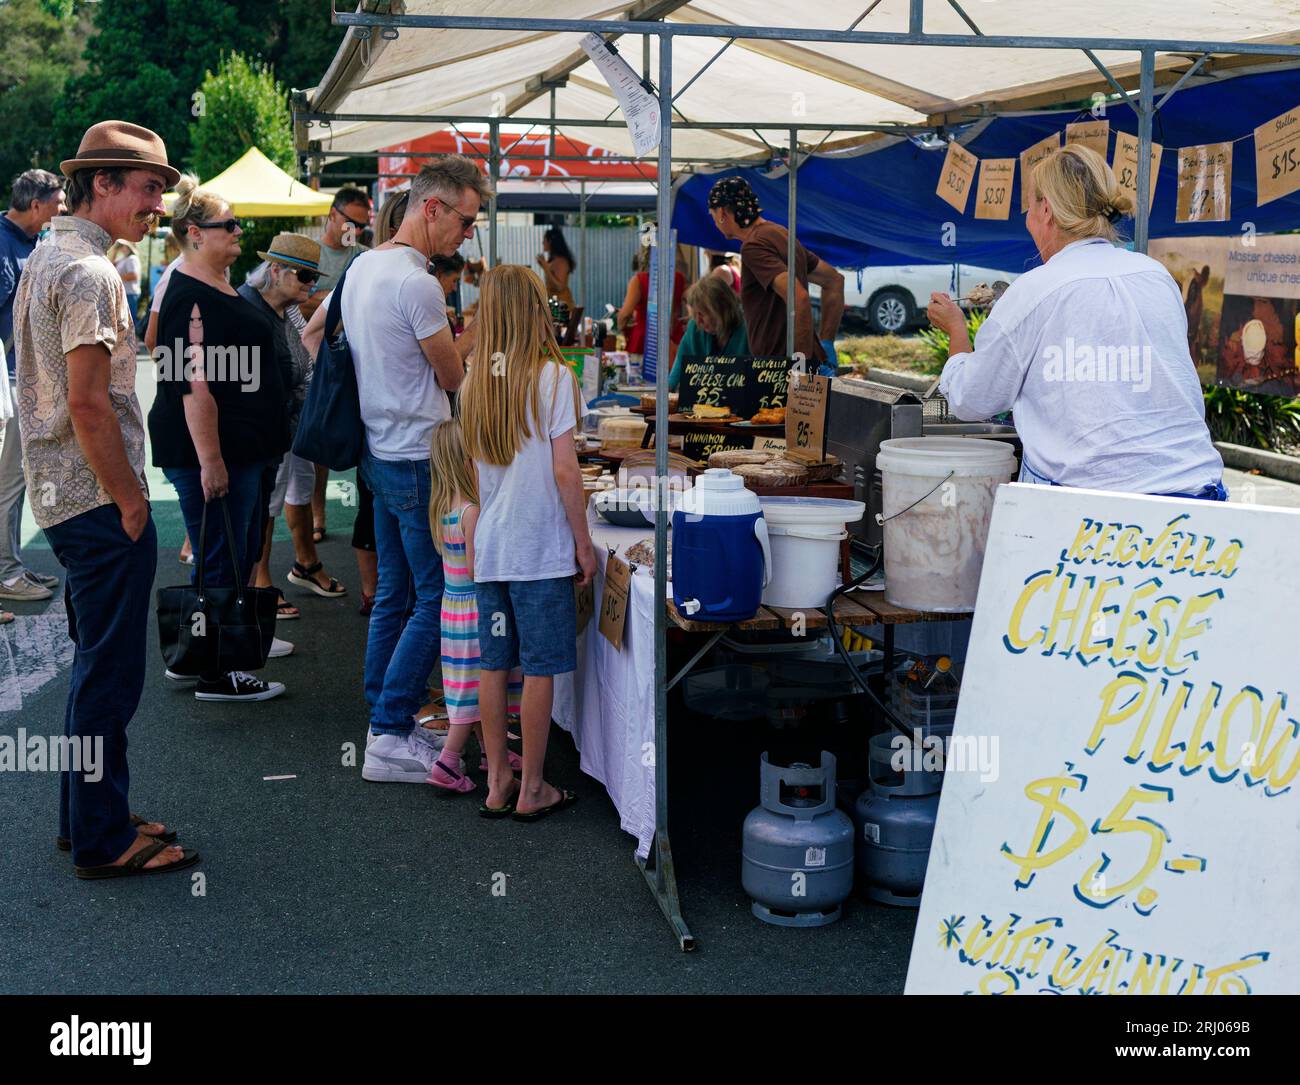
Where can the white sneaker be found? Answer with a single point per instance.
(279, 648)
(398, 759)
(436, 740)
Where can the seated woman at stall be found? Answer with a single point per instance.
(1088, 350)
(716, 327)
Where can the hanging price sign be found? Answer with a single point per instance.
(1125, 166)
(958, 173)
(613, 600)
(1204, 183)
(1029, 158)
(1277, 157)
(1090, 134)
(994, 189)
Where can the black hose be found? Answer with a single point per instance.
(836, 637)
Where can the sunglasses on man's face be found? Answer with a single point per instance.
(229, 225)
(354, 222)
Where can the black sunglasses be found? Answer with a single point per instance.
(358, 225)
(229, 225)
(305, 276)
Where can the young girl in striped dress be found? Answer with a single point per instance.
(453, 512)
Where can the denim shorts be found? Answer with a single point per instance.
(528, 623)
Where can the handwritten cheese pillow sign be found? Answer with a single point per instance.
(1140, 830)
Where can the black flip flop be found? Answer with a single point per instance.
(136, 864)
(567, 798)
(494, 812)
(169, 837)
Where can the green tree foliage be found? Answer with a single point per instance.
(148, 57)
(39, 47)
(241, 105)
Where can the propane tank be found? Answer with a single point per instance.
(894, 819)
(797, 854)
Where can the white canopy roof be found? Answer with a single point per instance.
(816, 85)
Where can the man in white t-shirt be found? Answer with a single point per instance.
(406, 360)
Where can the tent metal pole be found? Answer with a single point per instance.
(811, 34)
(658, 867)
(582, 246)
(792, 205)
(597, 122)
(494, 171)
(1146, 112)
(916, 17)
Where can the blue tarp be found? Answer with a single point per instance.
(880, 208)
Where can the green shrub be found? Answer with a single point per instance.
(937, 341)
(1243, 418)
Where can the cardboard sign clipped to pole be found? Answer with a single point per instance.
(1120, 803)
(955, 179)
(613, 601)
(806, 404)
(993, 193)
(1204, 183)
(1125, 166)
(1277, 157)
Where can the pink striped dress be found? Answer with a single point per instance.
(460, 659)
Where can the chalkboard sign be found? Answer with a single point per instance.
(746, 384)
(700, 446)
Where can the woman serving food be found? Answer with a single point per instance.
(1089, 350)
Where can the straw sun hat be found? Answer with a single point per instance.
(295, 250)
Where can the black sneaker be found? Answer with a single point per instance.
(237, 686)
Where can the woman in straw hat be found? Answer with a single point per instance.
(277, 287)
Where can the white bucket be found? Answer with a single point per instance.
(805, 535)
(937, 502)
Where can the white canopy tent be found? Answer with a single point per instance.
(734, 78)
(816, 85)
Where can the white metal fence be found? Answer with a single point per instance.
(602, 273)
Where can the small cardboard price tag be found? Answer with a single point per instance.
(769, 444)
(613, 600)
(1204, 183)
(805, 417)
(993, 193)
(1125, 166)
(584, 598)
(958, 173)
(1029, 158)
(1091, 134)
(1277, 157)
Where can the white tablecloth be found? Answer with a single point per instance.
(608, 704)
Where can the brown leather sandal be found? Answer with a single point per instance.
(167, 836)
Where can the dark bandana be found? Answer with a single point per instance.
(735, 193)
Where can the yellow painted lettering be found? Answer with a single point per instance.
(1223, 744)
(1062, 613)
(1161, 754)
(1126, 548)
(1227, 563)
(1120, 650)
(1115, 709)
(1089, 648)
(1078, 550)
(1015, 635)
(1187, 629)
(1100, 553)
(1150, 653)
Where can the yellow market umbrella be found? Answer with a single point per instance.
(256, 187)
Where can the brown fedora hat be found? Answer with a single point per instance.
(111, 144)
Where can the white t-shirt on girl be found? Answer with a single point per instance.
(523, 532)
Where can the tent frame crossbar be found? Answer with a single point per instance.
(658, 867)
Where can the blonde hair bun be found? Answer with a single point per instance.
(1081, 189)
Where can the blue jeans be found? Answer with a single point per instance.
(108, 591)
(402, 652)
(247, 510)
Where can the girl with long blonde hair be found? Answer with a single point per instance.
(519, 408)
(453, 513)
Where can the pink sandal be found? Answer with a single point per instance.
(516, 763)
(449, 779)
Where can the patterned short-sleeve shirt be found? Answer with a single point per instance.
(70, 295)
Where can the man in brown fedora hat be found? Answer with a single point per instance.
(83, 449)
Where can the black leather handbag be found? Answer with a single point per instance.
(205, 630)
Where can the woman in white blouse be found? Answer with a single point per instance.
(1089, 350)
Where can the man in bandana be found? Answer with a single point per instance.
(764, 277)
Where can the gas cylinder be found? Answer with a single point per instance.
(894, 819)
(797, 853)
